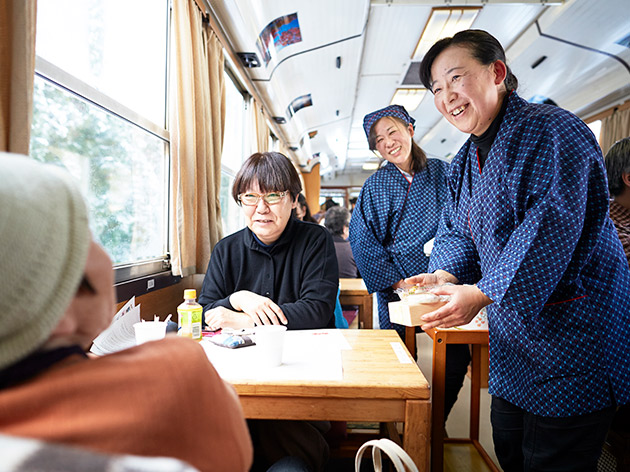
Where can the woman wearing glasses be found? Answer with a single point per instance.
(278, 270)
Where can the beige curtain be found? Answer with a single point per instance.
(197, 117)
(17, 68)
(260, 128)
(614, 128)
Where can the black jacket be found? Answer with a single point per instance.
(298, 272)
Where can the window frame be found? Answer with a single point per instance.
(152, 273)
(245, 127)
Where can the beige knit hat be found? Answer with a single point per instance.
(44, 240)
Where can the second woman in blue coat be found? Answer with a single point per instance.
(397, 212)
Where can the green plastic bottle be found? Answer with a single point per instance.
(190, 313)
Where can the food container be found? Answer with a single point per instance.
(408, 311)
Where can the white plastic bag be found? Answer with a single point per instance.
(401, 460)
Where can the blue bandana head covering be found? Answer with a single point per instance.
(392, 110)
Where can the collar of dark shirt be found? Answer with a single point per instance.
(484, 142)
(34, 364)
(255, 243)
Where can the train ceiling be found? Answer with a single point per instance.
(320, 66)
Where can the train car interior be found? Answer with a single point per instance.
(154, 105)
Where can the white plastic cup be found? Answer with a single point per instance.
(270, 344)
(149, 331)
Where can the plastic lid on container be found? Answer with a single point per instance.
(422, 298)
(190, 294)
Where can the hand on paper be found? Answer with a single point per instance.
(221, 317)
(465, 303)
(261, 310)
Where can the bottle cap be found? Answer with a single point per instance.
(190, 294)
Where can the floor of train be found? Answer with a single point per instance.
(457, 457)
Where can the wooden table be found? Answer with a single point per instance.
(442, 337)
(376, 387)
(354, 292)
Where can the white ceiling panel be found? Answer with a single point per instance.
(375, 41)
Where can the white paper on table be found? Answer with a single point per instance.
(126, 308)
(120, 333)
(401, 353)
(307, 355)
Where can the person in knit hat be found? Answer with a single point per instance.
(56, 296)
(396, 214)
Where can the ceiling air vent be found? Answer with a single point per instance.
(625, 41)
(412, 77)
(249, 59)
(280, 120)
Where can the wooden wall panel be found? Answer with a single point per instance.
(312, 186)
(164, 301)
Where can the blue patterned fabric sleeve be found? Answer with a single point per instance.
(368, 231)
(454, 250)
(554, 181)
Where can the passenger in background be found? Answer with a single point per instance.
(396, 213)
(278, 270)
(353, 203)
(618, 170)
(302, 212)
(526, 232)
(56, 296)
(323, 208)
(337, 220)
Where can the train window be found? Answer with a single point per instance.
(235, 103)
(117, 47)
(99, 109)
(596, 128)
(232, 156)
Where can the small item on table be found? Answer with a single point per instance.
(231, 341)
(414, 303)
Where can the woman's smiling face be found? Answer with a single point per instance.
(467, 93)
(393, 142)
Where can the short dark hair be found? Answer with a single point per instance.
(271, 170)
(307, 211)
(418, 157)
(484, 47)
(617, 163)
(329, 203)
(336, 219)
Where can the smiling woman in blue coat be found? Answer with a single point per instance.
(396, 214)
(526, 232)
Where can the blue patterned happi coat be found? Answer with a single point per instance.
(390, 224)
(532, 231)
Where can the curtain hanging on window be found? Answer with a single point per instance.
(615, 127)
(197, 118)
(261, 129)
(17, 69)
